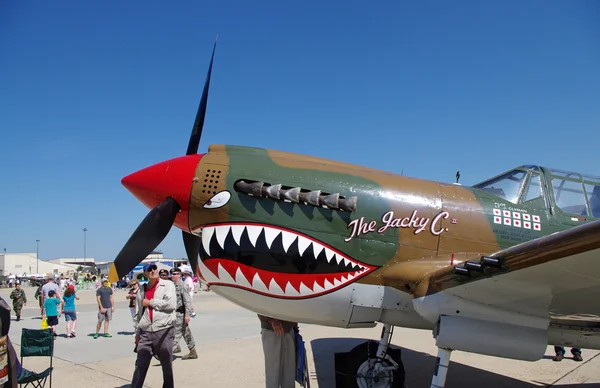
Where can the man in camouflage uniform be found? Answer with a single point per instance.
(19, 299)
(183, 313)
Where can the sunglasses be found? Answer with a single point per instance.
(153, 268)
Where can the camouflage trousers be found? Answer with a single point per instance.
(17, 307)
(182, 329)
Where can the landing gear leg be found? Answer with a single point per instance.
(441, 369)
(371, 365)
(384, 342)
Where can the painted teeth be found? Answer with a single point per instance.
(222, 272)
(298, 289)
(303, 243)
(207, 234)
(270, 234)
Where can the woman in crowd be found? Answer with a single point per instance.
(132, 295)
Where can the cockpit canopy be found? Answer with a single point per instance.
(567, 191)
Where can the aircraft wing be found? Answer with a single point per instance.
(554, 277)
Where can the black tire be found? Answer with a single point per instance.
(347, 365)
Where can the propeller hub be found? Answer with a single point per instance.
(172, 178)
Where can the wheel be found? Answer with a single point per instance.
(354, 369)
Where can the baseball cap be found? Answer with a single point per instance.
(176, 270)
(149, 266)
(51, 293)
(163, 272)
(71, 287)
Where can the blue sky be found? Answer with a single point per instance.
(92, 91)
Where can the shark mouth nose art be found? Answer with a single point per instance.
(274, 261)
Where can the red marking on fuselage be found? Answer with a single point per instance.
(282, 279)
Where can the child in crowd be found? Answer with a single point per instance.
(51, 311)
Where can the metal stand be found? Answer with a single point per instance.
(441, 369)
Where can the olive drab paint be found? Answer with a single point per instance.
(406, 228)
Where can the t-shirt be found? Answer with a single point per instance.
(49, 286)
(50, 306)
(149, 295)
(190, 285)
(104, 293)
(69, 302)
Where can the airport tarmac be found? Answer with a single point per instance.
(230, 352)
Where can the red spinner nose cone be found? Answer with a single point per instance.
(172, 178)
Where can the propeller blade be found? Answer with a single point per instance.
(149, 234)
(192, 248)
(199, 123)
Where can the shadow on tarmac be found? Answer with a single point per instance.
(419, 368)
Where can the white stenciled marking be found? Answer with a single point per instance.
(207, 234)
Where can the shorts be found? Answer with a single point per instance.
(52, 321)
(105, 316)
(70, 315)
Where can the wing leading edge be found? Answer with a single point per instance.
(554, 277)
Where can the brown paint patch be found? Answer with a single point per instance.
(211, 175)
(406, 196)
(472, 231)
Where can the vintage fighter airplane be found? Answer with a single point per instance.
(502, 268)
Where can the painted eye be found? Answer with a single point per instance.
(218, 200)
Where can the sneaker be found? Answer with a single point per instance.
(96, 336)
(558, 357)
(72, 333)
(106, 335)
(68, 335)
(577, 357)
